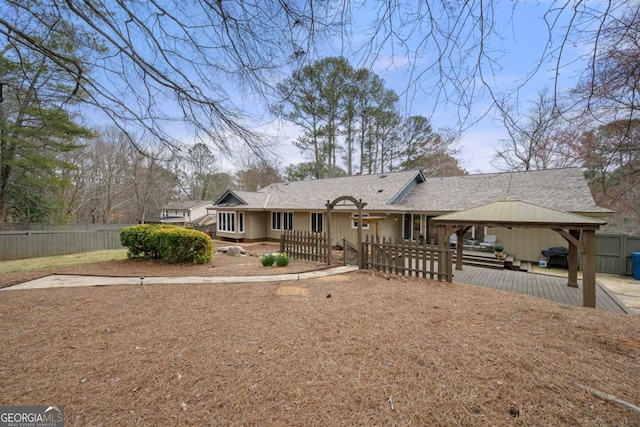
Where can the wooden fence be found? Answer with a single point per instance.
(39, 226)
(407, 258)
(33, 244)
(350, 253)
(613, 253)
(305, 245)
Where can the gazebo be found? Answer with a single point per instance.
(579, 231)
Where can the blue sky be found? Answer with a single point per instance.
(523, 35)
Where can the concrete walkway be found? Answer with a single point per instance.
(68, 281)
(626, 289)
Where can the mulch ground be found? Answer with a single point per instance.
(356, 349)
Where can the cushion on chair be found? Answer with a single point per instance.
(489, 241)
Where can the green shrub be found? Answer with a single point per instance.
(170, 243)
(139, 240)
(267, 260)
(282, 259)
(498, 248)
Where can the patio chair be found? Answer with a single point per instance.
(489, 242)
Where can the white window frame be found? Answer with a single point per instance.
(287, 221)
(354, 223)
(315, 219)
(227, 221)
(281, 220)
(276, 221)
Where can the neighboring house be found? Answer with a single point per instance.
(402, 204)
(195, 213)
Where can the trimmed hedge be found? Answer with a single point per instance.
(170, 243)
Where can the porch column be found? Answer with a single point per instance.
(572, 260)
(589, 268)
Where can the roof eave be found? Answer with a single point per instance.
(228, 193)
(520, 224)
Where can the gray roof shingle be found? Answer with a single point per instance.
(518, 213)
(378, 191)
(186, 204)
(560, 189)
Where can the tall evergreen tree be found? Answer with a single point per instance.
(314, 99)
(35, 127)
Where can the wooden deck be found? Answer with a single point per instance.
(538, 285)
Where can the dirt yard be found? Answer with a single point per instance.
(359, 349)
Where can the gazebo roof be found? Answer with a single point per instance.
(518, 214)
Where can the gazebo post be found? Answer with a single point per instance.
(589, 269)
(459, 245)
(459, 234)
(572, 260)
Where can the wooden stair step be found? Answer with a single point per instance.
(481, 263)
(485, 265)
(525, 266)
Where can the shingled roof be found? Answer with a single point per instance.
(517, 213)
(379, 191)
(247, 199)
(560, 189)
(185, 204)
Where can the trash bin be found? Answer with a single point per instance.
(635, 264)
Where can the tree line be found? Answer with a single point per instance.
(350, 123)
(106, 180)
(145, 67)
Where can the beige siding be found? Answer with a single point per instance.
(341, 228)
(389, 227)
(254, 225)
(258, 226)
(526, 244)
